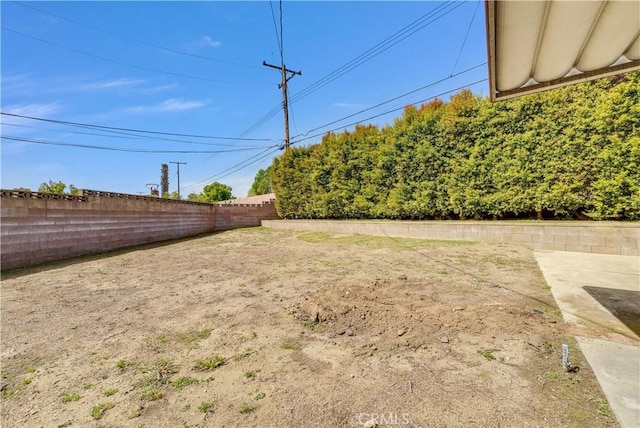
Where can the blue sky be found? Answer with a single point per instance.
(196, 68)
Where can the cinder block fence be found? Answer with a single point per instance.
(580, 236)
(37, 228)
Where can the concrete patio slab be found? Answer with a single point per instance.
(601, 295)
(617, 368)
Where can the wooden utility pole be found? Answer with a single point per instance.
(179, 163)
(285, 96)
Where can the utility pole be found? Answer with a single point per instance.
(179, 163)
(285, 98)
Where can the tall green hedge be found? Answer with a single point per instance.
(572, 152)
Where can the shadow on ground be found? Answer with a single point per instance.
(623, 304)
(56, 264)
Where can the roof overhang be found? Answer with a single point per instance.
(538, 45)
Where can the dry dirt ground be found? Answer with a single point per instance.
(266, 328)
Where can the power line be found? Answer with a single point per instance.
(364, 57)
(115, 134)
(285, 79)
(87, 125)
(118, 149)
(275, 26)
(389, 111)
(245, 163)
(115, 61)
(220, 174)
(394, 99)
(262, 120)
(410, 29)
(466, 36)
(248, 164)
(281, 37)
(176, 51)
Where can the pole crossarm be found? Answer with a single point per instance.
(285, 98)
(280, 67)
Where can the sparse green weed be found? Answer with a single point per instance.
(250, 374)
(487, 354)
(109, 392)
(8, 393)
(290, 345)
(553, 375)
(160, 372)
(260, 396)
(98, 410)
(310, 324)
(70, 396)
(193, 336)
(603, 407)
(152, 393)
(181, 382)
(245, 353)
(135, 414)
(156, 343)
(209, 364)
(122, 364)
(246, 408)
(205, 406)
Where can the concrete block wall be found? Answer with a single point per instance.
(234, 216)
(38, 229)
(589, 237)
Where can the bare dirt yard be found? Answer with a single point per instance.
(266, 328)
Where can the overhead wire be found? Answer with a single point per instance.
(389, 111)
(275, 26)
(175, 134)
(280, 105)
(270, 151)
(115, 134)
(281, 38)
(131, 39)
(394, 98)
(465, 37)
(410, 29)
(118, 149)
(243, 164)
(140, 67)
(400, 35)
(219, 177)
(246, 163)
